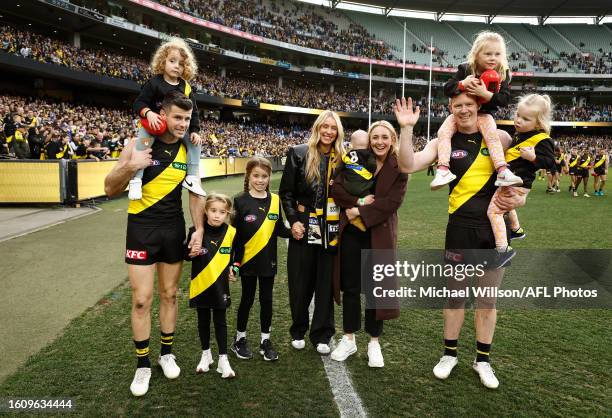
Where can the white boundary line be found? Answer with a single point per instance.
(348, 401)
(41, 228)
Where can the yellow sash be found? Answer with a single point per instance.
(515, 152)
(215, 267)
(263, 235)
(472, 180)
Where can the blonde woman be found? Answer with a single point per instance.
(173, 65)
(313, 216)
(378, 212)
(488, 53)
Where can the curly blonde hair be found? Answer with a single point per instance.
(158, 62)
(479, 43)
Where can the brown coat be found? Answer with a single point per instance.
(380, 217)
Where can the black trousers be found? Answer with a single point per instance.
(309, 270)
(353, 241)
(249, 286)
(220, 328)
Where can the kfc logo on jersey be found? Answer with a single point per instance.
(458, 154)
(135, 255)
(250, 218)
(453, 257)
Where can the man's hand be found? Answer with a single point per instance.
(297, 230)
(195, 244)
(196, 139)
(506, 198)
(404, 112)
(140, 159)
(528, 153)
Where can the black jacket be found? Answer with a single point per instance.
(294, 189)
(501, 99)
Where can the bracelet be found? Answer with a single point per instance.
(361, 201)
(145, 115)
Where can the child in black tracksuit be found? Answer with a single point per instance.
(258, 221)
(211, 272)
(359, 167)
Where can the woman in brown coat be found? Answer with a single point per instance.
(379, 214)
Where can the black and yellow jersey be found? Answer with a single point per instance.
(545, 155)
(209, 286)
(471, 192)
(161, 186)
(584, 161)
(258, 222)
(599, 167)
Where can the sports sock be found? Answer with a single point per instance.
(450, 348)
(482, 351)
(166, 343)
(265, 336)
(240, 335)
(142, 353)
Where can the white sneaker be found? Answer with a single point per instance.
(442, 178)
(344, 349)
(135, 190)
(508, 178)
(375, 357)
(140, 384)
(444, 367)
(194, 184)
(205, 362)
(168, 365)
(224, 367)
(486, 373)
(586, 195)
(298, 344)
(323, 349)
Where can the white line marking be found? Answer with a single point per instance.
(348, 401)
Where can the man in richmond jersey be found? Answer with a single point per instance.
(155, 234)
(468, 234)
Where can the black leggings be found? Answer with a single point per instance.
(220, 328)
(249, 286)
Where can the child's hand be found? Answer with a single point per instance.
(154, 120)
(196, 139)
(232, 277)
(352, 213)
(368, 200)
(470, 82)
(528, 153)
(195, 244)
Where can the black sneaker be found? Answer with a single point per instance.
(518, 234)
(266, 350)
(504, 257)
(241, 349)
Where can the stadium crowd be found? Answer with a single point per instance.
(295, 23)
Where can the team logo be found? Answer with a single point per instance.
(273, 216)
(136, 254)
(167, 151)
(215, 243)
(458, 154)
(155, 162)
(203, 251)
(225, 250)
(180, 166)
(454, 257)
(250, 218)
(261, 209)
(485, 152)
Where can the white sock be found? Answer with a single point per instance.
(222, 356)
(240, 335)
(265, 336)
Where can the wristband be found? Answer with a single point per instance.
(361, 201)
(461, 86)
(236, 268)
(145, 115)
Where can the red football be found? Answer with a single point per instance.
(155, 132)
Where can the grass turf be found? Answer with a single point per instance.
(552, 363)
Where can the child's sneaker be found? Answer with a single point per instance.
(586, 195)
(508, 178)
(241, 348)
(135, 190)
(224, 367)
(205, 362)
(442, 177)
(194, 184)
(518, 234)
(504, 256)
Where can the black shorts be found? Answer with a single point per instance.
(582, 172)
(146, 244)
(572, 171)
(470, 245)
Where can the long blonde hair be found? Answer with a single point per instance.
(394, 144)
(313, 156)
(158, 62)
(543, 106)
(479, 43)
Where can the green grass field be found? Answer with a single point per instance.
(549, 362)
